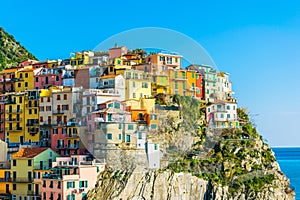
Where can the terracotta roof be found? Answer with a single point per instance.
(28, 152)
(9, 70)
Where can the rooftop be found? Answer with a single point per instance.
(28, 152)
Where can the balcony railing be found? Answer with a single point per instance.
(73, 146)
(33, 124)
(33, 194)
(13, 119)
(58, 112)
(8, 179)
(22, 180)
(52, 176)
(73, 135)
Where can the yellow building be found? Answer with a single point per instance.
(25, 79)
(5, 181)
(138, 83)
(116, 64)
(23, 164)
(81, 58)
(191, 83)
(22, 118)
(161, 84)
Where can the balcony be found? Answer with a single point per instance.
(8, 179)
(33, 124)
(74, 135)
(22, 180)
(58, 112)
(52, 176)
(61, 146)
(33, 130)
(13, 119)
(33, 194)
(73, 146)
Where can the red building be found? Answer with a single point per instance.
(7, 80)
(65, 140)
(47, 77)
(200, 86)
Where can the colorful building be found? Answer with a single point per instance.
(25, 79)
(163, 61)
(7, 80)
(71, 178)
(23, 164)
(5, 181)
(22, 118)
(138, 83)
(222, 114)
(45, 77)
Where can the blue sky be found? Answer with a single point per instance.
(257, 42)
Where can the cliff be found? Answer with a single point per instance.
(198, 162)
(11, 51)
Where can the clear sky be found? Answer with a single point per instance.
(257, 42)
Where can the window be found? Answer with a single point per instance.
(26, 84)
(155, 146)
(41, 108)
(130, 126)
(65, 107)
(19, 84)
(48, 99)
(35, 111)
(120, 126)
(120, 136)
(233, 107)
(140, 135)
(110, 105)
(70, 184)
(117, 105)
(29, 163)
(127, 138)
(29, 187)
(153, 126)
(228, 116)
(36, 79)
(183, 75)
(111, 82)
(176, 85)
(58, 97)
(109, 136)
(228, 107)
(193, 75)
(57, 78)
(14, 186)
(55, 131)
(58, 184)
(44, 183)
(161, 58)
(48, 108)
(176, 60)
(153, 117)
(26, 75)
(144, 85)
(14, 162)
(51, 184)
(222, 115)
(133, 95)
(41, 119)
(83, 184)
(133, 84)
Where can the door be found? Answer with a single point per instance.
(7, 188)
(36, 190)
(21, 140)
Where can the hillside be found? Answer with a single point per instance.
(11, 51)
(201, 163)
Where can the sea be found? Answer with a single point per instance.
(289, 162)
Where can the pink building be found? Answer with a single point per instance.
(65, 140)
(44, 78)
(71, 178)
(222, 114)
(117, 51)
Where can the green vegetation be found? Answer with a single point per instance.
(234, 157)
(11, 51)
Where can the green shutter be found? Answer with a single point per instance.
(73, 184)
(86, 184)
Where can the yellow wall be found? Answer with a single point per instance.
(22, 170)
(24, 79)
(3, 184)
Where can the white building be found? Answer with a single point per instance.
(153, 155)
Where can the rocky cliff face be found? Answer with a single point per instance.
(200, 163)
